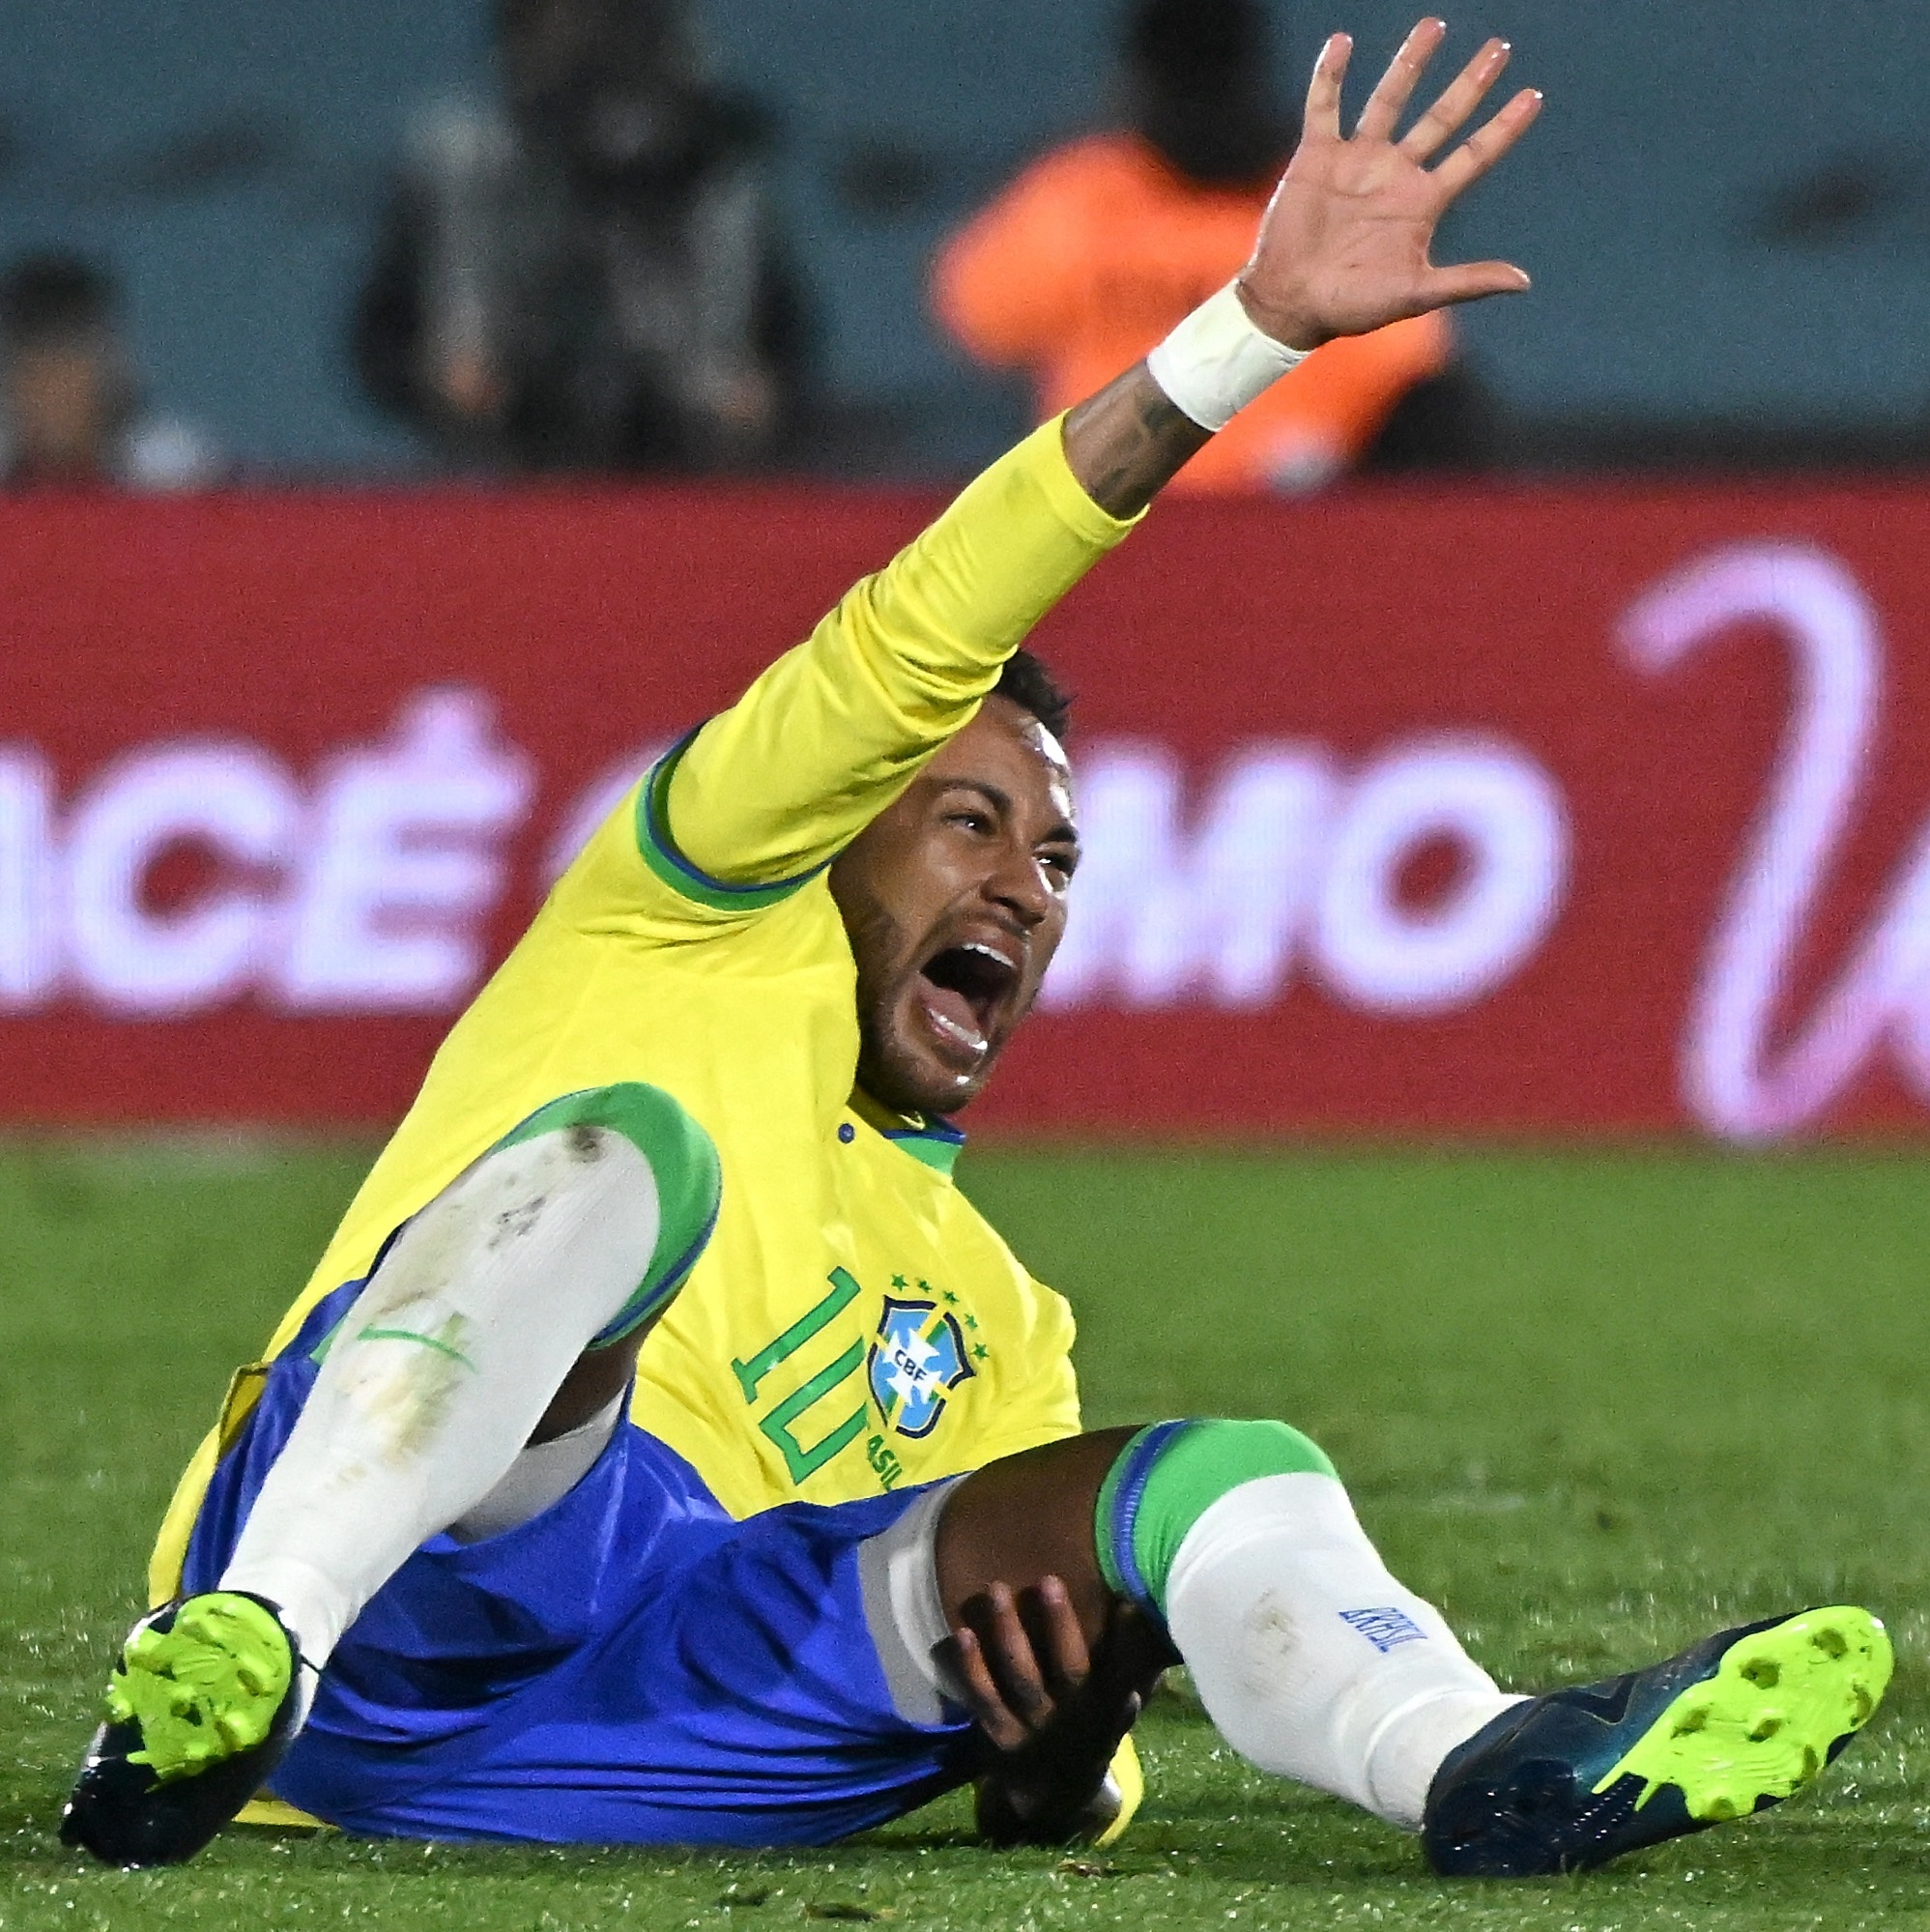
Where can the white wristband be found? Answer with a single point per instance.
(1216, 361)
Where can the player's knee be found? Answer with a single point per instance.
(683, 1162)
(653, 1122)
(680, 1155)
(1168, 1475)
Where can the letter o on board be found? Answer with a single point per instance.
(1505, 813)
(230, 796)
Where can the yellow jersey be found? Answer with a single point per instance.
(853, 1324)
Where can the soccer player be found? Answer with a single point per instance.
(664, 1451)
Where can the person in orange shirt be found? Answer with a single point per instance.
(1099, 249)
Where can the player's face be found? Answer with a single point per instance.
(955, 902)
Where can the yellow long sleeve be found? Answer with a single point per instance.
(830, 734)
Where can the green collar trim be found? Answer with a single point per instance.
(936, 1144)
(935, 1141)
(661, 854)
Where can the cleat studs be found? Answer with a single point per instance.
(234, 1733)
(1691, 1719)
(1721, 1807)
(1763, 1672)
(1767, 1725)
(1830, 1641)
(1811, 1762)
(182, 1705)
(1865, 1704)
(251, 1680)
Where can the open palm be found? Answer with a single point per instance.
(1344, 244)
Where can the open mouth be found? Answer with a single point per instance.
(963, 989)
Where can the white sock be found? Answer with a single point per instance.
(1311, 1660)
(443, 1368)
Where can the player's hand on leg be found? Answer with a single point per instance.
(1052, 1712)
(1344, 246)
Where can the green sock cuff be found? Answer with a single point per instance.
(1105, 1512)
(1168, 1477)
(683, 1161)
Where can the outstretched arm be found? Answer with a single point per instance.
(771, 790)
(1343, 249)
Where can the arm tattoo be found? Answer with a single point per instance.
(1129, 440)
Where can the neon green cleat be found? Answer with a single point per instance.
(1732, 1726)
(200, 1709)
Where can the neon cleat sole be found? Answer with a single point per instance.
(200, 1709)
(1729, 1727)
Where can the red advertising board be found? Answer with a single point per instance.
(1489, 812)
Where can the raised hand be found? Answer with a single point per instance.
(1343, 248)
(1344, 244)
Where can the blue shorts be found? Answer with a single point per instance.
(631, 1667)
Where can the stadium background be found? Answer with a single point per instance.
(1725, 212)
(1484, 875)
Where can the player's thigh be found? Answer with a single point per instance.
(743, 1697)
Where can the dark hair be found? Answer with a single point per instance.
(1205, 97)
(51, 297)
(566, 48)
(1029, 685)
(1196, 45)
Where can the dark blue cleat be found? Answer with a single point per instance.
(1731, 1726)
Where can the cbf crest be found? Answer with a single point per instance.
(918, 1360)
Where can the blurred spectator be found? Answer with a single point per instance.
(72, 407)
(590, 280)
(1079, 269)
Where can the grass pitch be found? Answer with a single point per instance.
(1592, 1406)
